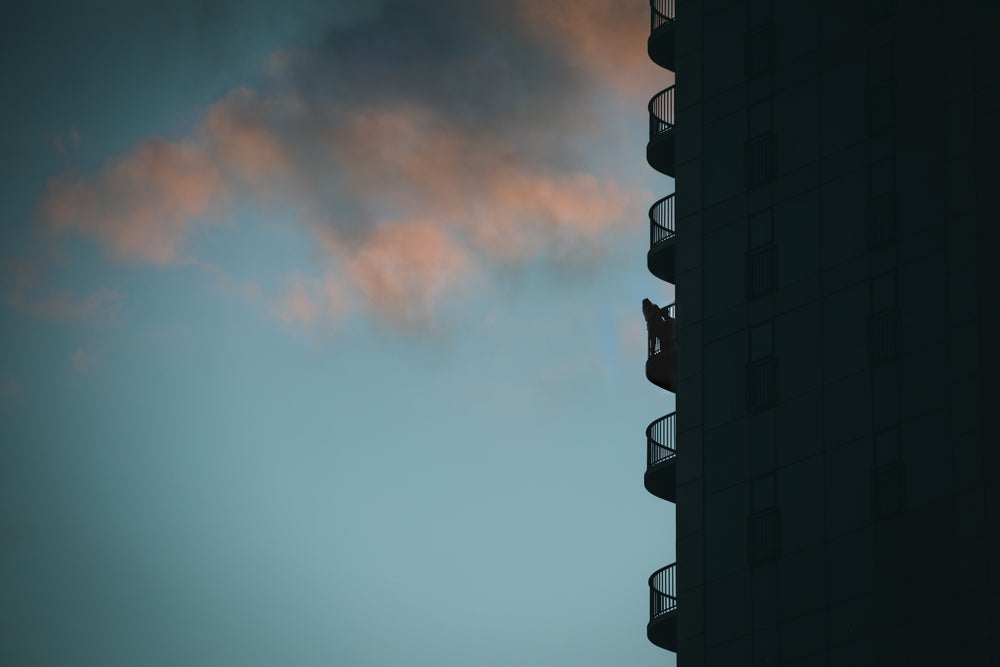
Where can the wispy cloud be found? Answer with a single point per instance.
(411, 146)
(141, 205)
(26, 293)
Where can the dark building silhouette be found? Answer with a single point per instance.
(834, 242)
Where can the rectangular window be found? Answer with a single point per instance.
(883, 323)
(761, 270)
(881, 213)
(880, 101)
(888, 490)
(878, 10)
(883, 337)
(764, 536)
(758, 11)
(760, 166)
(758, 51)
(762, 384)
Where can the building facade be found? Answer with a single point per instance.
(834, 241)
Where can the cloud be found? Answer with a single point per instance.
(607, 38)
(59, 140)
(86, 361)
(141, 205)
(301, 302)
(406, 269)
(415, 143)
(26, 293)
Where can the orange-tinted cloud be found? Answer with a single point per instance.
(26, 293)
(605, 37)
(141, 205)
(241, 142)
(404, 270)
(300, 303)
(413, 173)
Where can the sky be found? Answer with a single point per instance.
(322, 334)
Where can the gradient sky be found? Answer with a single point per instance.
(323, 340)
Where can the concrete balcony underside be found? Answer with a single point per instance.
(661, 260)
(661, 46)
(661, 480)
(660, 153)
(661, 369)
(662, 631)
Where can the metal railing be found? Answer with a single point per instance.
(661, 220)
(660, 13)
(660, 331)
(661, 440)
(662, 591)
(661, 113)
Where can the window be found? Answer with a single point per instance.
(880, 93)
(882, 208)
(880, 100)
(758, 51)
(760, 160)
(762, 384)
(880, 220)
(878, 10)
(761, 270)
(764, 522)
(883, 323)
(888, 478)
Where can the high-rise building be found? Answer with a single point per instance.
(834, 242)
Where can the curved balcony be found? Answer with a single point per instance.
(662, 142)
(661, 458)
(661, 260)
(662, 626)
(661, 360)
(661, 43)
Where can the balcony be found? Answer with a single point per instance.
(662, 626)
(661, 260)
(661, 458)
(662, 143)
(660, 45)
(661, 360)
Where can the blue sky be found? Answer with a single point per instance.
(323, 337)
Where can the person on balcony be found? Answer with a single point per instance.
(659, 325)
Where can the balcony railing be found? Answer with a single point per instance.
(661, 12)
(661, 441)
(662, 591)
(660, 329)
(661, 113)
(661, 220)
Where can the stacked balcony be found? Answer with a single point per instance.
(662, 146)
(661, 260)
(661, 43)
(661, 360)
(662, 626)
(661, 325)
(661, 452)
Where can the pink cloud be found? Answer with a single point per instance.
(27, 294)
(241, 141)
(406, 269)
(408, 194)
(299, 304)
(141, 205)
(605, 37)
